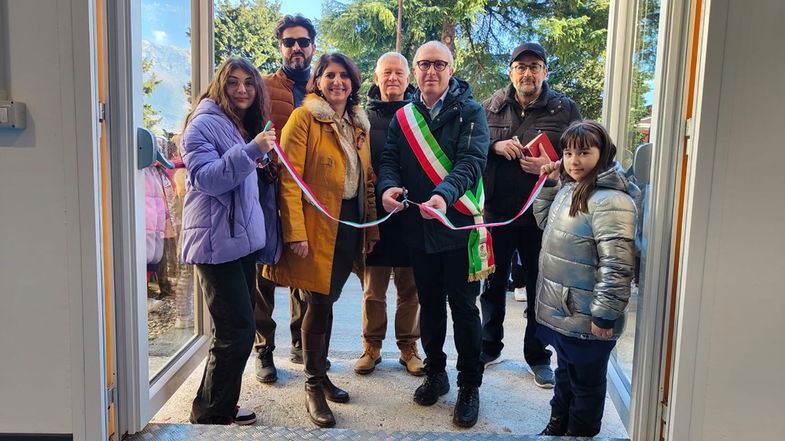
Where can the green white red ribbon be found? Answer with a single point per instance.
(438, 214)
(311, 197)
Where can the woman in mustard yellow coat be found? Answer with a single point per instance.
(326, 140)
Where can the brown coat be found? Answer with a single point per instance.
(311, 142)
(279, 86)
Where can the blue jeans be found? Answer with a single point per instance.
(580, 389)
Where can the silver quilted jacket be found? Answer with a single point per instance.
(586, 262)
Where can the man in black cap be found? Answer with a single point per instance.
(522, 110)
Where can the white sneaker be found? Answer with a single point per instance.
(244, 417)
(520, 294)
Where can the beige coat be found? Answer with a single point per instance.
(311, 141)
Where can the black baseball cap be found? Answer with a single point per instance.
(529, 48)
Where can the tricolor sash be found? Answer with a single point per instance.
(437, 166)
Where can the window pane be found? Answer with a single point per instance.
(635, 143)
(166, 70)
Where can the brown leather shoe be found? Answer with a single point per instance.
(368, 361)
(411, 359)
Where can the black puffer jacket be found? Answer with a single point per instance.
(390, 250)
(461, 130)
(507, 186)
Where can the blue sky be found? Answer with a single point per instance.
(309, 8)
(166, 21)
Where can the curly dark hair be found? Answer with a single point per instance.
(351, 68)
(290, 21)
(259, 112)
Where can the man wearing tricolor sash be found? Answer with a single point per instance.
(435, 153)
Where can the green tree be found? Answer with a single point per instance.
(644, 58)
(246, 28)
(150, 116)
(573, 32)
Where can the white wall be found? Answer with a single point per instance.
(47, 219)
(730, 367)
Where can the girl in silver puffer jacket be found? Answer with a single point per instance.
(586, 266)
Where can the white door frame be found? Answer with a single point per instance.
(639, 407)
(138, 399)
(77, 33)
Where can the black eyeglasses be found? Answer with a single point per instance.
(521, 68)
(303, 42)
(438, 65)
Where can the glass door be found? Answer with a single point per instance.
(166, 100)
(631, 88)
(161, 326)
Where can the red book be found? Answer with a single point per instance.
(539, 145)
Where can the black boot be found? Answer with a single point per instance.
(315, 402)
(467, 407)
(434, 386)
(265, 367)
(334, 393)
(557, 426)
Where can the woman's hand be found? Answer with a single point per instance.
(601, 332)
(552, 170)
(265, 140)
(299, 248)
(369, 246)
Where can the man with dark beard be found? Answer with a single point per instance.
(522, 109)
(286, 87)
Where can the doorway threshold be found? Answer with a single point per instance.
(197, 432)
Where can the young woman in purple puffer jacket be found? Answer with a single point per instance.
(224, 228)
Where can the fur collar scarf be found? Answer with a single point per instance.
(322, 111)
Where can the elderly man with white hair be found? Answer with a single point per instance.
(436, 150)
(390, 92)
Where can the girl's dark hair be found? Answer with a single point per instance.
(256, 116)
(351, 68)
(582, 135)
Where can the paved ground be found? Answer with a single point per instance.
(510, 402)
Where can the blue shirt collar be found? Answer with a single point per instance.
(437, 107)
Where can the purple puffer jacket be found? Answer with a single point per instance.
(222, 218)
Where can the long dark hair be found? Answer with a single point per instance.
(351, 69)
(582, 135)
(256, 116)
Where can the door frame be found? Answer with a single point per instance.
(139, 398)
(638, 403)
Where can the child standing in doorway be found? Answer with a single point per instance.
(587, 212)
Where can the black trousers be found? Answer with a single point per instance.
(507, 239)
(229, 289)
(580, 392)
(441, 278)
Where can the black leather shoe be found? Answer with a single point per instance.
(467, 408)
(557, 426)
(265, 368)
(334, 393)
(434, 386)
